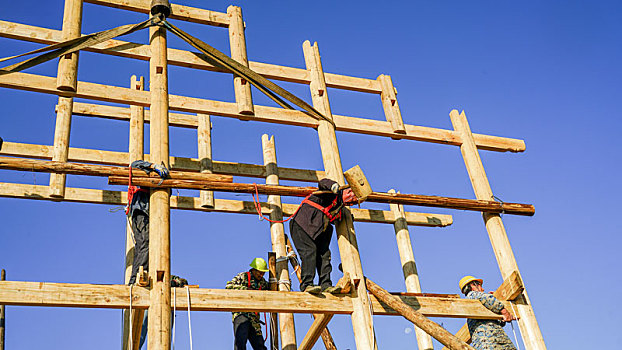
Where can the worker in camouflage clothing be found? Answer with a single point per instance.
(486, 334)
(247, 325)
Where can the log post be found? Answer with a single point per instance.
(272, 282)
(532, 336)
(66, 80)
(237, 41)
(434, 329)
(2, 314)
(409, 268)
(391, 107)
(277, 234)
(159, 333)
(136, 152)
(346, 237)
(204, 135)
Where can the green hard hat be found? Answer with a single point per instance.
(259, 264)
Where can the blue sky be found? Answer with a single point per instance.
(546, 72)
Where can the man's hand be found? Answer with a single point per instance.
(507, 316)
(348, 197)
(161, 170)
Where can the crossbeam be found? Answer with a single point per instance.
(85, 195)
(202, 299)
(121, 95)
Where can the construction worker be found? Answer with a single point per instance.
(312, 231)
(486, 334)
(138, 211)
(247, 325)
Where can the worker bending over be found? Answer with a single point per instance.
(138, 212)
(247, 325)
(486, 334)
(311, 229)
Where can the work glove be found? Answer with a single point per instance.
(348, 197)
(161, 170)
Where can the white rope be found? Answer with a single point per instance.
(174, 314)
(131, 335)
(512, 324)
(189, 321)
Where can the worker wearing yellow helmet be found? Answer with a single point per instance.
(247, 325)
(486, 334)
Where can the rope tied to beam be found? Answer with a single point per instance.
(497, 199)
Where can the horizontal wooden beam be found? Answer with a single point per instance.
(180, 12)
(84, 195)
(115, 94)
(378, 197)
(47, 166)
(201, 299)
(186, 58)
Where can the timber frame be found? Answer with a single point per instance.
(281, 300)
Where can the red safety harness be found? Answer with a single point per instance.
(248, 274)
(131, 190)
(325, 210)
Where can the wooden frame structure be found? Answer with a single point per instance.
(157, 298)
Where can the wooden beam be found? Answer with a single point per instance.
(391, 107)
(188, 59)
(509, 290)
(117, 297)
(314, 332)
(180, 12)
(430, 327)
(2, 313)
(274, 285)
(532, 336)
(38, 83)
(84, 195)
(237, 42)
(395, 198)
(409, 267)
(277, 237)
(204, 142)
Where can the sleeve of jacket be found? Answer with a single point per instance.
(264, 284)
(238, 282)
(488, 300)
(142, 165)
(327, 185)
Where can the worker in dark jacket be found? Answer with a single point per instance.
(311, 230)
(138, 211)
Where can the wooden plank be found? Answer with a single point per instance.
(396, 198)
(532, 336)
(237, 42)
(430, 327)
(117, 297)
(409, 267)
(391, 107)
(204, 142)
(314, 332)
(84, 195)
(39, 83)
(180, 12)
(2, 313)
(277, 237)
(509, 290)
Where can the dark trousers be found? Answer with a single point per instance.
(243, 331)
(140, 230)
(314, 255)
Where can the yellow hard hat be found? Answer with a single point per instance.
(259, 264)
(468, 279)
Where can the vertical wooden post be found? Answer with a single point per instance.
(204, 133)
(2, 314)
(237, 42)
(389, 103)
(136, 152)
(66, 80)
(346, 237)
(532, 336)
(277, 233)
(159, 334)
(274, 332)
(409, 268)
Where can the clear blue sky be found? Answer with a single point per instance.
(546, 72)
